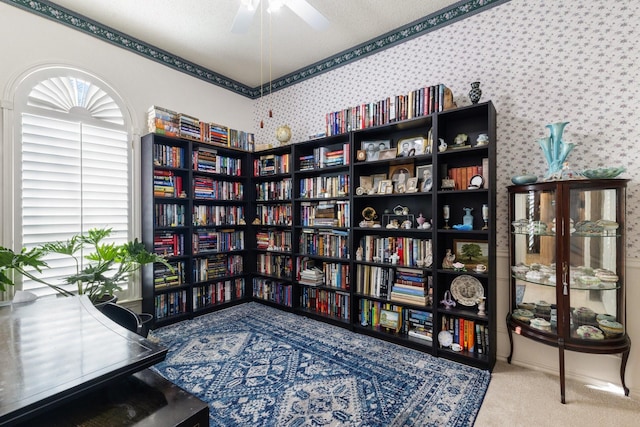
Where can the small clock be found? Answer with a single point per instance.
(362, 155)
(283, 134)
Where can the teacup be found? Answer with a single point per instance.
(481, 268)
(456, 347)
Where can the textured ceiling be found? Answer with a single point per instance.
(198, 33)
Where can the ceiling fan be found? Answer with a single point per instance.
(302, 8)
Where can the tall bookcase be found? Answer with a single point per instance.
(332, 231)
(272, 215)
(194, 202)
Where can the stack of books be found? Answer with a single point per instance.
(419, 324)
(189, 127)
(411, 286)
(325, 215)
(218, 134)
(162, 121)
(312, 277)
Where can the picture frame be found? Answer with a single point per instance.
(372, 148)
(471, 252)
(424, 173)
(412, 185)
(385, 187)
(387, 154)
(409, 147)
(399, 174)
(366, 182)
(390, 320)
(377, 177)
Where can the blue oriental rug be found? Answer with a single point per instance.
(259, 366)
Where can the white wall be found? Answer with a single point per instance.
(539, 61)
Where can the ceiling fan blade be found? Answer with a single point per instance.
(308, 13)
(242, 20)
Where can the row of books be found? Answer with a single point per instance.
(274, 190)
(163, 121)
(462, 175)
(163, 277)
(166, 184)
(274, 240)
(217, 215)
(419, 102)
(274, 214)
(325, 186)
(217, 293)
(313, 273)
(470, 335)
(215, 266)
(408, 250)
(168, 304)
(270, 290)
(168, 243)
(271, 164)
(325, 157)
(207, 188)
(325, 302)
(327, 213)
(217, 241)
(168, 156)
(274, 265)
(207, 160)
(324, 242)
(169, 215)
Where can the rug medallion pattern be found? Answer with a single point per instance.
(260, 366)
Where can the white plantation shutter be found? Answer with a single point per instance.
(75, 176)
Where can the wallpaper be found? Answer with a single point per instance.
(539, 61)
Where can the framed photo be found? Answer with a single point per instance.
(366, 182)
(390, 319)
(399, 174)
(471, 252)
(409, 147)
(372, 148)
(387, 154)
(425, 176)
(412, 185)
(385, 187)
(377, 178)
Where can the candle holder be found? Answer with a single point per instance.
(445, 214)
(485, 217)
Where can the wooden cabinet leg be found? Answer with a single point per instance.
(510, 339)
(623, 368)
(561, 356)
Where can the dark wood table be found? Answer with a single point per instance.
(55, 350)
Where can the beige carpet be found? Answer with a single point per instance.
(523, 397)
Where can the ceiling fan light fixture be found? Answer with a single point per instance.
(275, 5)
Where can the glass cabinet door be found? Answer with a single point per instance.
(534, 259)
(594, 248)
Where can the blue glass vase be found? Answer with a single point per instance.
(555, 150)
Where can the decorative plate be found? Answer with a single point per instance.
(466, 290)
(445, 338)
(603, 173)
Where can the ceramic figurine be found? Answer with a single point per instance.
(447, 262)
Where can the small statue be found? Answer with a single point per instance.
(359, 253)
(448, 260)
(443, 145)
(394, 258)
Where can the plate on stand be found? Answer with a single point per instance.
(466, 290)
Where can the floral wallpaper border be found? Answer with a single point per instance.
(423, 25)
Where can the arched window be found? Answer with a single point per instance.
(73, 147)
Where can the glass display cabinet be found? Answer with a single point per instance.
(567, 258)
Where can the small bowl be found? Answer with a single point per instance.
(524, 179)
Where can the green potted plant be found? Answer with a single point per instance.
(108, 265)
